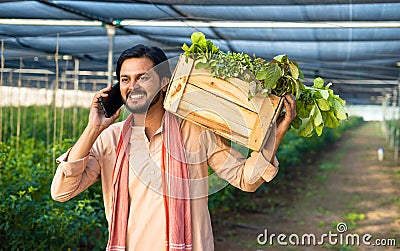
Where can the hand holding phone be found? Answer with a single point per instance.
(112, 102)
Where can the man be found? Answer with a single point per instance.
(154, 166)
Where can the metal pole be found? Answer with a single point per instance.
(55, 103)
(387, 118)
(111, 35)
(397, 122)
(396, 137)
(1, 90)
(19, 106)
(76, 89)
(393, 119)
(384, 110)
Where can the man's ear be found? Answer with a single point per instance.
(164, 84)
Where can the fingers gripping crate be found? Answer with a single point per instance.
(221, 105)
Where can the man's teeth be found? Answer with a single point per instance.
(136, 96)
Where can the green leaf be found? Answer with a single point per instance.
(185, 48)
(323, 104)
(330, 119)
(296, 122)
(273, 73)
(301, 75)
(201, 59)
(297, 85)
(318, 83)
(199, 38)
(340, 111)
(281, 58)
(294, 70)
(318, 129)
(341, 114)
(324, 93)
(307, 131)
(341, 101)
(261, 74)
(317, 116)
(303, 110)
(201, 65)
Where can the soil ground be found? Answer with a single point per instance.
(344, 184)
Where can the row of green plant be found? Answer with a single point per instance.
(43, 123)
(37, 122)
(31, 220)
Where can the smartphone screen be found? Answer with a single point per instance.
(113, 102)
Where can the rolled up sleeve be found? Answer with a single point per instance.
(73, 177)
(229, 164)
(72, 168)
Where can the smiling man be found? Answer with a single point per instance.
(154, 166)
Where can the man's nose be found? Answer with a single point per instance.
(132, 84)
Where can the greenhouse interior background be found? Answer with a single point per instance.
(56, 54)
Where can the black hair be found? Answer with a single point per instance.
(155, 54)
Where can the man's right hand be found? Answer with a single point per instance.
(97, 119)
(96, 124)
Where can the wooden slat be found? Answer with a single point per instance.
(209, 120)
(233, 89)
(221, 88)
(224, 108)
(277, 103)
(177, 84)
(220, 111)
(266, 113)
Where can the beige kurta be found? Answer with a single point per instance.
(146, 223)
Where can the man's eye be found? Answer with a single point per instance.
(144, 78)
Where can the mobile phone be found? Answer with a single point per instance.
(112, 102)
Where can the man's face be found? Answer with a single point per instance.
(140, 84)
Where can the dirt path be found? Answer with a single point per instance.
(346, 184)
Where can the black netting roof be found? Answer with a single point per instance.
(357, 47)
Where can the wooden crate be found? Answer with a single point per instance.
(221, 105)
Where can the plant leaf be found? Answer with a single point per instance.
(201, 65)
(323, 104)
(330, 119)
(301, 75)
(318, 129)
(296, 122)
(185, 48)
(307, 131)
(324, 93)
(199, 38)
(318, 83)
(317, 117)
(294, 70)
(340, 112)
(303, 110)
(281, 58)
(273, 73)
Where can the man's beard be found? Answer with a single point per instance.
(142, 108)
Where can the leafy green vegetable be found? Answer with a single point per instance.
(316, 106)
